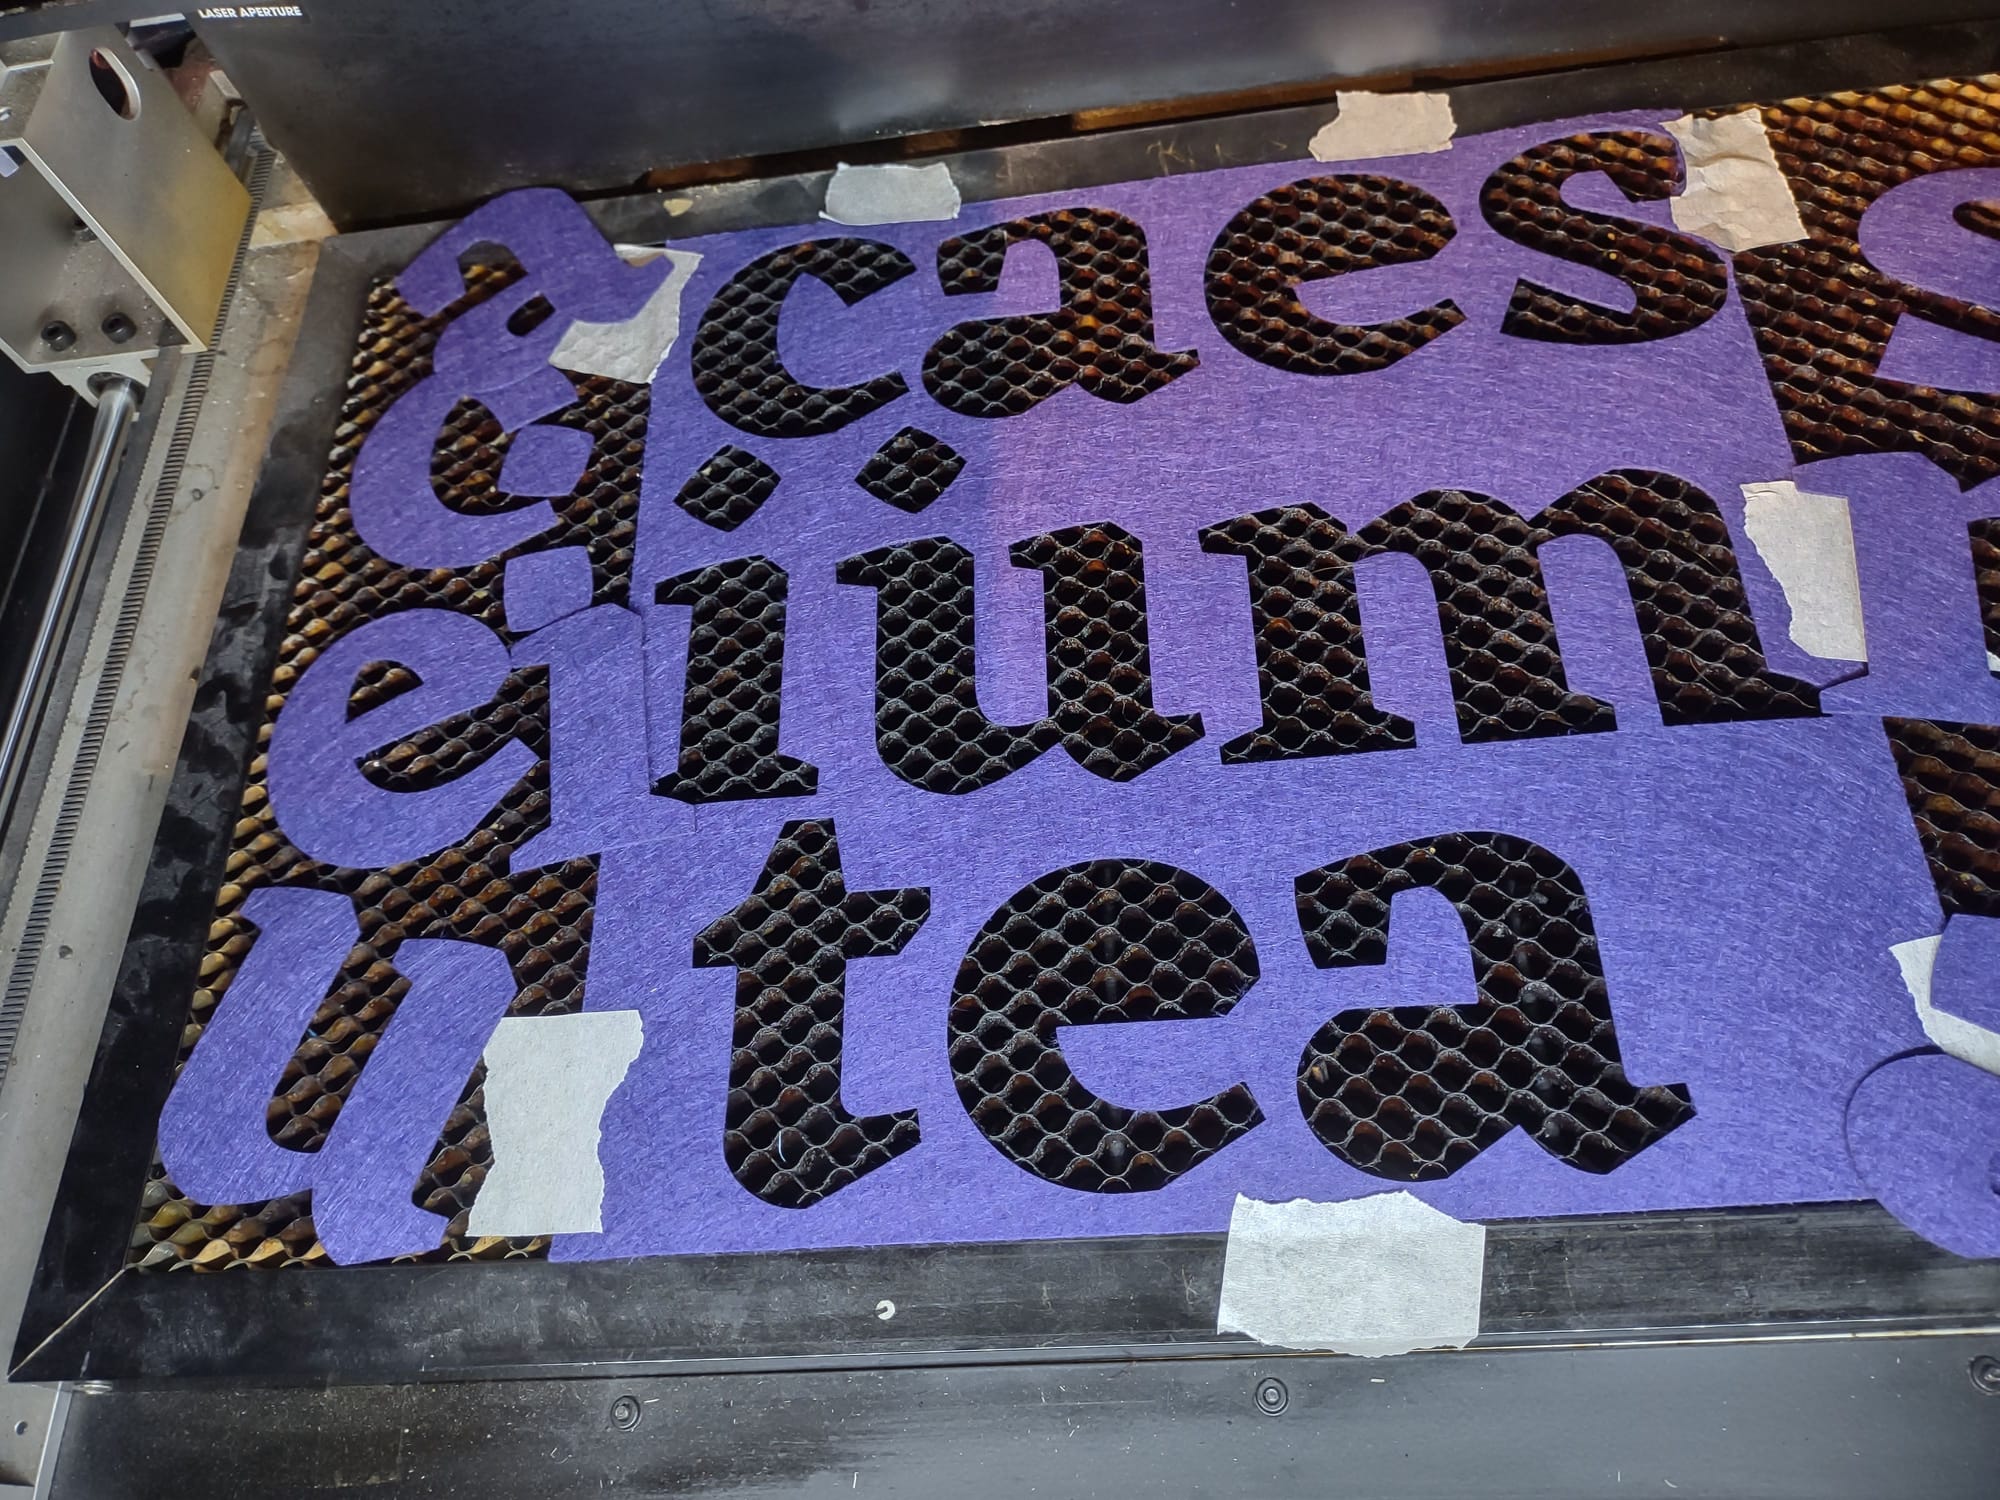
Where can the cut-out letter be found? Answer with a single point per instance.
(1305, 231)
(1312, 671)
(1677, 282)
(787, 1136)
(320, 786)
(737, 367)
(1100, 669)
(1680, 566)
(1092, 944)
(1507, 678)
(1099, 338)
(929, 727)
(1414, 1092)
(735, 674)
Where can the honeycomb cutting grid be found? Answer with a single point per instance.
(911, 470)
(728, 489)
(540, 919)
(737, 368)
(1986, 572)
(1311, 674)
(1414, 1092)
(1821, 317)
(1507, 679)
(787, 1136)
(1677, 283)
(929, 727)
(1319, 227)
(1104, 941)
(1951, 776)
(1100, 337)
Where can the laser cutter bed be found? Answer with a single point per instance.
(1248, 792)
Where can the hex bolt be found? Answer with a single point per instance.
(118, 328)
(1985, 1373)
(625, 1413)
(58, 335)
(1272, 1397)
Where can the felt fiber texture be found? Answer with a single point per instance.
(367, 1171)
(1712, 857)
(1721, 861)
(1712, 854)
(1965, 975)
(213, 1141)
(541, 587)
(320, 792)
(599, 791)
(395, 507)
(1963, 1039)
(1919, 594)
(1924, 1130)
(545, 461)
(1909, 233)
(1518, 419)
(567, 264)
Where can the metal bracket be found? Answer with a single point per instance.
(118, 221)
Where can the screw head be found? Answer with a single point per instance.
(118, 328)
(625, 1413)
(1985, 1373)
(1272, 1397)
(58, 335)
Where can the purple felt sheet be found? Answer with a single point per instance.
(1517, 419)
(599, 786)
(1919, 593)
(214, 1142)
(321, 794)
(1746, 881)
(566, 263)
(1965, 974)
(1909, 233)
(395, 506)
(545, 460)
(1713, 856)
(1718, 862)
(368, 1169)
(541, 587)
(1924, 1130)
(564, 260)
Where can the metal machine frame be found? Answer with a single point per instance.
(1787, 1305)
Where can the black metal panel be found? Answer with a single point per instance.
(392, 111)
(20, 18)
(41, 443)
(1834, 1268)
(1865, 1419)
